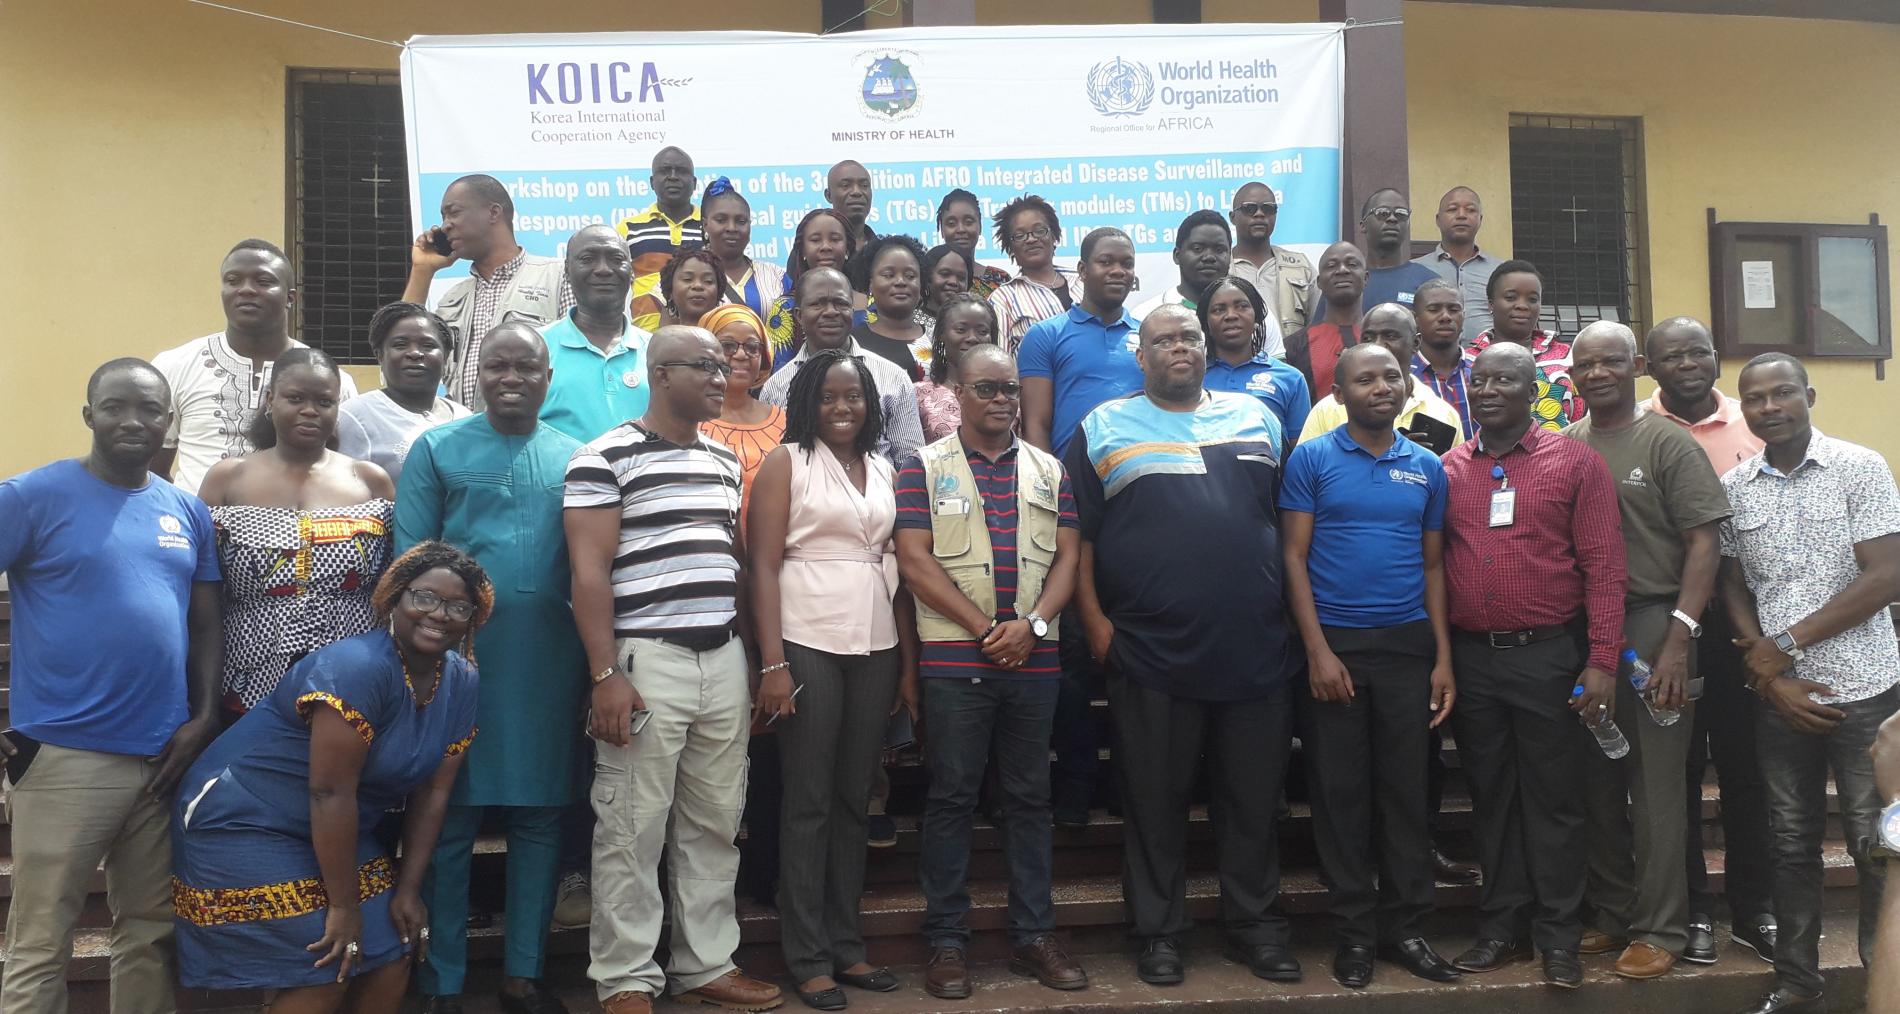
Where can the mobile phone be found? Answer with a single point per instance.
(639, 721)
(439, 242)
(25, 748)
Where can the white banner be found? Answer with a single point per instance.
(1133, 126)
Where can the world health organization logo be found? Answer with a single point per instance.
(1121, 87)
(890, 87)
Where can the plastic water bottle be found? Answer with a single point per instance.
(1609, 737)
(1640, 676)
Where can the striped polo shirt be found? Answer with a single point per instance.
(652, 240)
(996, 481)
(675, 572)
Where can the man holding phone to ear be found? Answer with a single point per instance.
(504, 281)
(652, 519)
(117, 654)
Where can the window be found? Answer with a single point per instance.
(1799, 288)
(1577, 213)
(348, 205)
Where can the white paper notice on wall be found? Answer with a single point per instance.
(1758, 285)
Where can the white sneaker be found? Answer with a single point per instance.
(574, 904)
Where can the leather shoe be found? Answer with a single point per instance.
(631, 1001)
(877, 980)
(1644, 961)
(1451, 870)
(1045, 960)
(1160, 963)
(1352, 966)
(829, 998)
(1759, 938)
(1491, 955)
(535, 1001)
(1561, 969)
(947, 977)
(1417, 957)
(1779, 1002)
(1273, 962)
(736, 990)
(1598, 942)
(1701, 947)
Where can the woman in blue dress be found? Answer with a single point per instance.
(277, 817)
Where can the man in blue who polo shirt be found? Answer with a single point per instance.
(1084, 356)
(1071, 363)
(1359, 500)
(596, 355)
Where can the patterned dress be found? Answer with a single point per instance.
(294, 581)
(246, 886)
(751, 443)
(937, 406)
(1557, 404)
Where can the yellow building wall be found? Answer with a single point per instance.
(1763, 119)
(139, 139)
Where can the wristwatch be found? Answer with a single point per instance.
(1784, 642)
(1695, 629)
(1038, 626)
(1887, 831)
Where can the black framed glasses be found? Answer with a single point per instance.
(707, 366)
(1251, 208)
(427, 601)
(1033, 232)
(989, 389)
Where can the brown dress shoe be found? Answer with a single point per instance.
(1644, 961)
(630, 1002)
(1045, 959)
(947, 977)
(735, 990)
(1599, 942)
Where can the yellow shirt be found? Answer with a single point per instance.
(1329, 414)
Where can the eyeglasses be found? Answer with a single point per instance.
(752, 349)
(1034, 232)
(989, 389)
(427, 601)
(1391, 214)
(707, 366)
(1167, 343)
(1251, 208)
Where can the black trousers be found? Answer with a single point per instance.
(1365, 764)
(1725, 735)
(1160, 740)
(1519, 741)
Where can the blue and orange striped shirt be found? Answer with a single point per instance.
(997, 482)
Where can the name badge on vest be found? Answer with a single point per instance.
(951, 506)
(1503, 507)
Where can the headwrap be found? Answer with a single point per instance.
(725, 313)
(719, 185)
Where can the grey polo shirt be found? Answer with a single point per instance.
(1471, 277)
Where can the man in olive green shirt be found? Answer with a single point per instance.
(1672, 506)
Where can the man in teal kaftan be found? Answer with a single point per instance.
(492, 484)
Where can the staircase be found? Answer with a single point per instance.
(1089, 914)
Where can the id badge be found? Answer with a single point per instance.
(950, 506)
(1503, 507)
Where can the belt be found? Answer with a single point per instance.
(703, 641)
(1502, 639)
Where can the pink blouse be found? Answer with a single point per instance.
(938, 407)
(840, 570)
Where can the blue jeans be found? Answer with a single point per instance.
(1795, 766)
(971, 723)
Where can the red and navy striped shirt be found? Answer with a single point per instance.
(996, 481)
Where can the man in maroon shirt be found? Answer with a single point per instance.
(1532, 529)
(1314, 348)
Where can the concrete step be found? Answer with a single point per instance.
(1215, 986)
